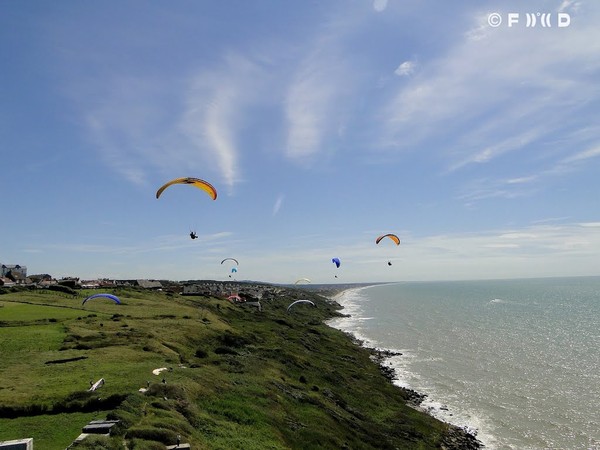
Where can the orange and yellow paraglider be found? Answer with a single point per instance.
(197, 182)
(393, 237)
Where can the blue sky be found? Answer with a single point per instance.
(321, 124)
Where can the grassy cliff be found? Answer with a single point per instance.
(235, 378)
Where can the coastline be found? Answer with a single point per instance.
(459, 437)
(318, 387)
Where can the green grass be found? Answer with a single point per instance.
(52, 432)
(237, 378)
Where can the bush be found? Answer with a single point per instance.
(99, 442)
(167, 437)
(233, 340)
(141, 444)
(225, 351)
(63, 289)
(200, 353)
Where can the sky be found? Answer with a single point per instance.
(322, 125)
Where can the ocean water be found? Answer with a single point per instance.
(516, 361)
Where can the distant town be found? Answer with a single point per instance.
(15, 275)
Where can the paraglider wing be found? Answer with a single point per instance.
(231, 259)
(197, 182)
(302, 280)
(299, 301)
(110, 296)
(233, 270)
(393, 237)
(336, 261)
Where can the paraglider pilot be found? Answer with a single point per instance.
(193, 235)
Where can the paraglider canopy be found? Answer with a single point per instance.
(235, 297)
(110, 296)
(393, 237)
(336, 261)
(302, 280)
(300, 301)
(231, 259)
(196, 182)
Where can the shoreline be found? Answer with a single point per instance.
(324, 384)
(463, 437)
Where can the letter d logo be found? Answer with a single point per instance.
(564, 20)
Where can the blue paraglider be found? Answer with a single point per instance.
(110, 296)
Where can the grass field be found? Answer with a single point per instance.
(236, 377)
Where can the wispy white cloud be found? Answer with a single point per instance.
(569, 6)
(209, 124)
(488, 96)
(405, 69)
(522, 180)
(143, 125)
(499, 148)
(310, 108)
(278, 204)
(583, 155)
(317, 96)
(217, 103)
(380, 5)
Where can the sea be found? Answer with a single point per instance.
(516, 362)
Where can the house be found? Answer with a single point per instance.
(13, 271)
(6, 282)
(149, 284)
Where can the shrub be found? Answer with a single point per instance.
(225, 351)
(99, 442)
(63, 289)
(200, 353)
(141, 444)
(165, 436)
(233, 340)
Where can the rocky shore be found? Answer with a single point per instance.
(457, 437)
